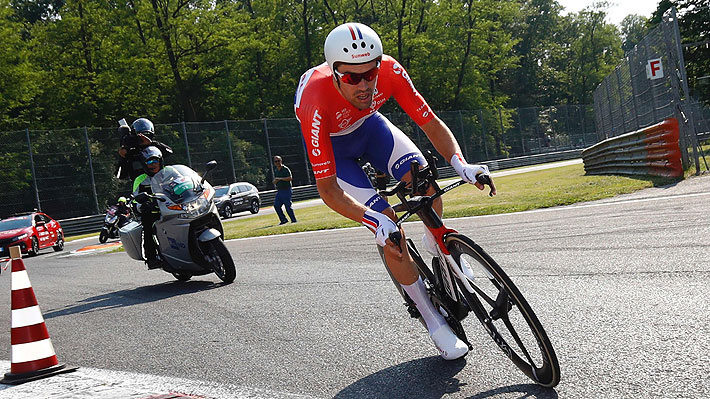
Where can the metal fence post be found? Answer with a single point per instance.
(611, 114)
(684, 84)
(231, 157)
(305, 160)
(502, 130)
(621, 101)
(634, 93)
(463, 135)
(187, 144)
(32, 167)
(483, 134)
(520, 129)
(581, 121)
(268, 149)
(91, 170)
(567, 127)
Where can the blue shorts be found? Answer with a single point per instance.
(382, 144)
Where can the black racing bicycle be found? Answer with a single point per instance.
(490, 295)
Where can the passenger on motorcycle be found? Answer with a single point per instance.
(337, 106)
(152, 161)
(133, 140)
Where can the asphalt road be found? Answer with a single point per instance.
(620, 285)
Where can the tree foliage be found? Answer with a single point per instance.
(70, 63)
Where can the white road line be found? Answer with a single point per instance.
(89, 383)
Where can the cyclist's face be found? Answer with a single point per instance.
(360, 94)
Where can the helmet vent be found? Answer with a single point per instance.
(362, 44)
(345, 49)
(354, 46)
(372, 46)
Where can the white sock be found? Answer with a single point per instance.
(432, 318)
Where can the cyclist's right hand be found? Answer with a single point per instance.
(380, 224)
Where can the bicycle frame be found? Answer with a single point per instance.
(422, 207)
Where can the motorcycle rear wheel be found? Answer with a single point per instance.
(220, 260)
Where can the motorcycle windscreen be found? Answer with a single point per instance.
(179, 183)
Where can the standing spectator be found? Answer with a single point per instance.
(282, 181)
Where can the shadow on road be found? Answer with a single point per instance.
(428, 378)
(134, 296)
(524, 390)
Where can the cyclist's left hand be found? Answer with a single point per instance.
(469, 172)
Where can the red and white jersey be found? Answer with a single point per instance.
(323, 112)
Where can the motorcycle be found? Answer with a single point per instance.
(189, 232)
(110, 227)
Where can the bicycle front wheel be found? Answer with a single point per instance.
(505, 313)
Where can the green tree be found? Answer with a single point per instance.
(633, 28)
(536, 82)
(19, 78)
(592, 52)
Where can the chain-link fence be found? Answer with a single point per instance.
(69, 173)
(649, 86)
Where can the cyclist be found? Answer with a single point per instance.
(337, 106)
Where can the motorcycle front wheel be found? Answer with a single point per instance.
(220, 260)
(103, 236)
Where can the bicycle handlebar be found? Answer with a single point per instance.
(419, 185)
(486, 181)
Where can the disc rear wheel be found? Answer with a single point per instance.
(505, 313)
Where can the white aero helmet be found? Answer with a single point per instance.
(352, 43)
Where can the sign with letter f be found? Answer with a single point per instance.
(654, 69)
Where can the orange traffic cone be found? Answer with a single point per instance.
(33, 355)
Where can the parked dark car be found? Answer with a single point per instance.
(237, 197)
(32, 231)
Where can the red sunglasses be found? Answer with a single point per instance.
(353, 78)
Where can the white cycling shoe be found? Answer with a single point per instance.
(430, 246)
(449, 345)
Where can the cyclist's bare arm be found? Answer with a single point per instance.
(441, 137)
(338, 200)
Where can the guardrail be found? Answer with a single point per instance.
(652, 151)
(93, 223)
(82, 225)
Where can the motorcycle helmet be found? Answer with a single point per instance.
(352, 43)
(122, 200)
(149, 155)
(143, 125)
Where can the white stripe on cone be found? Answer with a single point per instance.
(20, 280)
(32, 351)
(26, 316)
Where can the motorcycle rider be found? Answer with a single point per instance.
(122, 211)
(133, 140)
(152, 162)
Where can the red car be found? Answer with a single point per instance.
(32, 231)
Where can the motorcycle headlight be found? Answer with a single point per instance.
(196, 207)
(21, 237)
